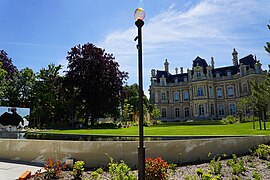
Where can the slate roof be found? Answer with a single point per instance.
(249, 61)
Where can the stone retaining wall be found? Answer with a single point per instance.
(93, 152)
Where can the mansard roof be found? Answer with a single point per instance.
(199, 61)
(249, 61)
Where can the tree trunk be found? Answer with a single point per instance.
(253, 120)
(260, 120)
(264, 119)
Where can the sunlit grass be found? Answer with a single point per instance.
(177, 129)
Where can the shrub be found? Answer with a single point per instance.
(120, 171)
(256, 175)
(53, 169)
(237, 165)
(229, 120)
(78, 169)
(215, 165)
(157, 169)
(263, 151)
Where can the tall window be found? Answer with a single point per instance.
(200, 91)
(244, 88)
(201, 110)
(230, 91)
(232, 108)
(163, 113)
(186, 112)
(219, 92)
(198, 73)
(163, 96)
(177, 112)
(220, 109)
(162, 82)
(212, 109)
(186, 96)
(210, 91)
(176, 96)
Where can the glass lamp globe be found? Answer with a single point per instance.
(139, 14)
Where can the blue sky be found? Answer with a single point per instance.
(37, 32)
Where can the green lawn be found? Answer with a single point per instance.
(174, 129)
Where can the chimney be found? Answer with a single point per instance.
(153, 73)
(176, 70)
(235, 57)
(212, 62)
(166, 64)
(181, 69)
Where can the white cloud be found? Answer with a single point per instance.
(210, 27)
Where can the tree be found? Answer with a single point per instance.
(267, 47)
(26, 80)
(3, 74)
(94, 79)
(10, 92)
(47, 94)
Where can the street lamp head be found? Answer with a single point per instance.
(139, 14)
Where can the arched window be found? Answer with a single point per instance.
(201, 110)
(220, 109)
(163, 113)
(219, 92)
(163, 96)
(200, 91)
(186, 112)
(229, 73)
(176, 80)
(177, 112)
(232, 108)
(217, 75)
(212, 109)
(198, 73)
(230, 91)
(245, 88)
(162, 82)
(186, 96)
(176, 96)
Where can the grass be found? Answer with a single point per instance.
(177, 129)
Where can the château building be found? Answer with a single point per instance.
(204, 91)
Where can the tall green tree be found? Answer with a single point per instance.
(10, 91)
(26, 80)
(46, 94)
(94, 79)
(267, 47)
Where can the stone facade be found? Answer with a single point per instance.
(203, 92)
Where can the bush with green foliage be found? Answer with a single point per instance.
(96, 174)
(215, 165)
(78, 169)
(120, 171)
(237, 165)
(229, 120)
(263, 151)
(256, 175)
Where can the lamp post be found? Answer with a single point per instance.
(139, 17)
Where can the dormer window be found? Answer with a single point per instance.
(229, 73)
(185, 79)
(198, 73)
(162, 82)
(176, 80)
(217, 75)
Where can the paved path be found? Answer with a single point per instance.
(12, 170)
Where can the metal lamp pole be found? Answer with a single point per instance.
(139, 16)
